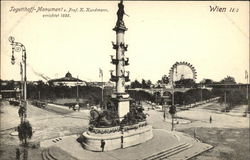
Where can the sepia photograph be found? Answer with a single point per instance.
(124, 80)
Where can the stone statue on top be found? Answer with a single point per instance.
(120, 13)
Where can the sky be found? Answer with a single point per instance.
(159, 35)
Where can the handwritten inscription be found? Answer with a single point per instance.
(55, 11)
(222, 9)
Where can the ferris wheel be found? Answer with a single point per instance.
(182, 70)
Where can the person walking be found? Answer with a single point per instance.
(210, 119)
(121, 141)
(195, 133)
(102, 144)
(164, 116)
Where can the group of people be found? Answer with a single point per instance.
(75, 107)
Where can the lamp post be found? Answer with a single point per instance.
(19, 47)
(173, 91)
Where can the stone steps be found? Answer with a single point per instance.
(55, 153)
(46, 155)
(169, 152)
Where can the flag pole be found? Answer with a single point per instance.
(102, 88)
(101, 75)
(77, 91)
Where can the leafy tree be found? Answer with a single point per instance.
(24, 131)
(178, 98)
(144, 84)
(157, 97)
(136, 84)
(228, 80)
(192, 96)
(206, 94)
(207, 82)
(141, 95)
(149, 83)
(185, 83)
(172, 111)
(158, 84)
(236, 98)
(165, 79)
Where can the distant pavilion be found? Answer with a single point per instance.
(68, 80)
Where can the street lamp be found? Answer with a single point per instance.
(19, 47)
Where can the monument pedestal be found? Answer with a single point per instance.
(122, 103)
(115, 139)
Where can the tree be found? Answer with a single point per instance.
(136, 84)
(149, 83)
(157, 96)
(172, 111)
(141, 95)
(158, 84)
(24, 131)
(185, 83)
(207, 82)
(228, 80)
(192, 96)
(165, 79)
(178, 97)
(144, 84)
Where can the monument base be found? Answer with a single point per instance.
(115, 139)
(122, 101)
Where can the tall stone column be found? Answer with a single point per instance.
(120, 88)
(120, 97)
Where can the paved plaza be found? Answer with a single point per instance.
(173, 145)
(49, 126)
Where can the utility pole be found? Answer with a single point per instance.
(101, 76)
(102, 88)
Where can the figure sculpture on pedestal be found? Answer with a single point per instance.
(120, 14)
(120, 11)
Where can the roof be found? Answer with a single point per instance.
(228, 85)
(68, 78)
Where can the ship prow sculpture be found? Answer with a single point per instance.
(123, 124)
